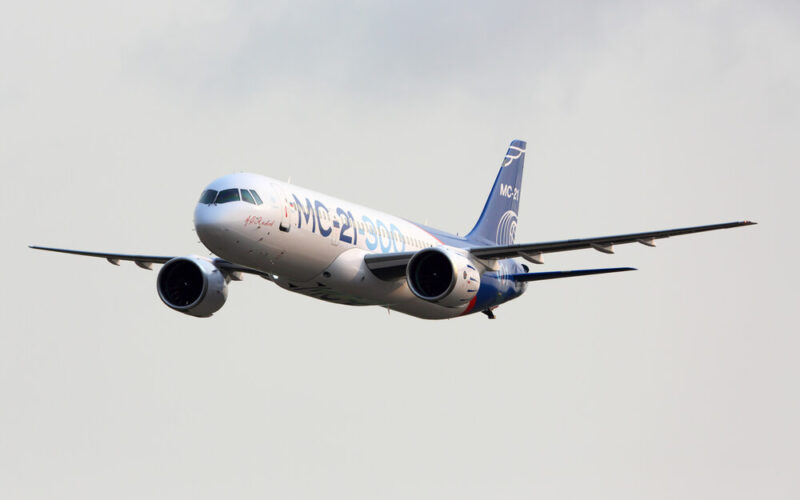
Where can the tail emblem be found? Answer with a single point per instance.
(507, 228)
(510, 157)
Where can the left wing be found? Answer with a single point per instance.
(147, 261)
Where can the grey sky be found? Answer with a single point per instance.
(676, 381)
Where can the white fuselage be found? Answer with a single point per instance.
(315, 244)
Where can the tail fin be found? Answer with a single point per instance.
(497, 224)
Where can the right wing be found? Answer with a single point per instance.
(534, 251)
(390, 266)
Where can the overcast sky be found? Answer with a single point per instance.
(679, 380)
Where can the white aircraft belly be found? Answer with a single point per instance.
(348, 281)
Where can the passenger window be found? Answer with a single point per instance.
(208, 196)
(246, 196)
(256, 197)
(228, 195)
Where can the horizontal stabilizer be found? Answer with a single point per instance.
(566, 274)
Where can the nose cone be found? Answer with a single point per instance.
(214, 222)
(208, 218)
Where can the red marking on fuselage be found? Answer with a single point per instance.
(470, 305)
(258, 221)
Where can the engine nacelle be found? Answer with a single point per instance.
(192, 285)
(442, 276)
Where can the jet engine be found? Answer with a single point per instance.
(442, 276)
(192, 285)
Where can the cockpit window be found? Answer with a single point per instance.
(208, 196)
(257, 198)
(228, 195)
(246, 196)
(211, 196)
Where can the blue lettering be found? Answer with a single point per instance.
(384, 231)
(302, 212)
(371, 245)
(400, 238)
(355, 232)
(318, 205)
(345, 226)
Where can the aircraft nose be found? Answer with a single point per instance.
(231, 211)
(212, 221)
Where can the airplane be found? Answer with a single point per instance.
(333, 250)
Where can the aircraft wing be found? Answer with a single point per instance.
(393, 265)
(147, 261)
(605, 244)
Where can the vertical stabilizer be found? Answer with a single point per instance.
(497, 224)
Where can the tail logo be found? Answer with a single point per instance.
(507, 228)
(510, 156)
